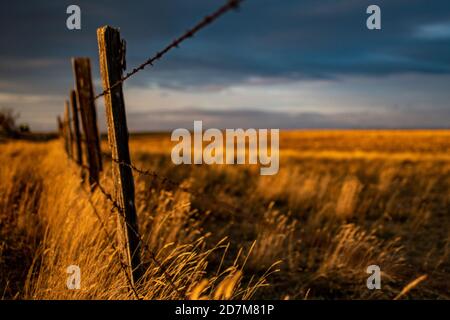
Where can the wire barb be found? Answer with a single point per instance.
(207, 20)
(172, 184)
(230, 5)
(120, 211)
(123, 265)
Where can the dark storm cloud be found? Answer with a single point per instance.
(287, 38)
(268, 40)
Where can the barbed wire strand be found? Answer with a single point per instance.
(105, 230)
(207, 20)
(152, 254)
(115, 205)
(167, 181)
(142, 242)
(110, 239)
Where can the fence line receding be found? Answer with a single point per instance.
(77, 142)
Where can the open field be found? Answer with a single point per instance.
(342, 200)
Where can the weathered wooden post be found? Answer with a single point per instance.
(64, 132)
(111, 59)
(76, 128)
(86, 105)
(60, 126)
(68, 130)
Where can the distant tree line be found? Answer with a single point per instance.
(8, 124)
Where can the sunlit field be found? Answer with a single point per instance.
(341, 201)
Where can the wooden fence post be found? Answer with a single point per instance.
(68, 130)
(64, 133)
(86, 104)
(60, 126)
(76, 128)
(111, 58)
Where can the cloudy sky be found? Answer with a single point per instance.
(272, 64)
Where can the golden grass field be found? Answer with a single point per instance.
(342, 200)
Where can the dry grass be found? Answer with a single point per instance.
(342, 200)
(42, 197)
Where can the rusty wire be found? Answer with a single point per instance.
(152, 254)
(119, 209)
(230, 5)
(207, 20)
(105, 230)
(110, 239)
(173, 184)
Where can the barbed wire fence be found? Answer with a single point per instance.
(116, 208)
(207, 20)
(174, 185)
(82, 101)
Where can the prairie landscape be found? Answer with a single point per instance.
(341, 201)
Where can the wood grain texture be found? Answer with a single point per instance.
(85, 101)
(76, 128)
(111, 59)
(68, 131)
